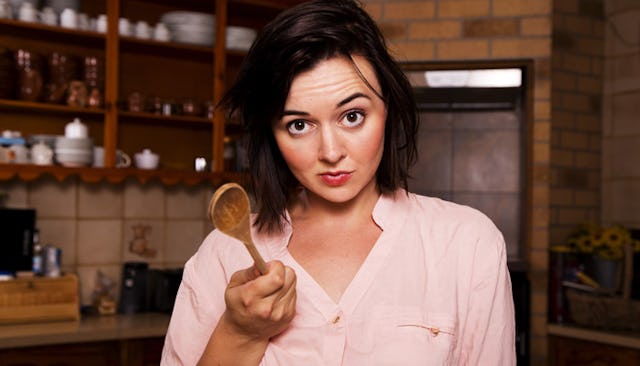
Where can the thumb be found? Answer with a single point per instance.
(243, 276)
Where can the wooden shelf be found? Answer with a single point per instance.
(51, 33)
(22, 106)
(146, 117)
(167, 177)
(167, 49)
(269, 4)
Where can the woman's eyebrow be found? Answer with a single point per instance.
(352, 97)
(294, 113)
(340, 104)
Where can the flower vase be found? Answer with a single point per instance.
(607, 272)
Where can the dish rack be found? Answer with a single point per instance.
(604, 309)
(39, 299)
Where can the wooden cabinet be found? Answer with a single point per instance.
(133, 352)
(169, 70)
(565, 351)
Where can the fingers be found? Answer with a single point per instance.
(262, 305)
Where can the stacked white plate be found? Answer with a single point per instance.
(240, 38)
(190, 27)
(73, 152)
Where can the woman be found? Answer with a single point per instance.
(360, 271)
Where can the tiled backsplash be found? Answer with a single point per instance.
(98, 226)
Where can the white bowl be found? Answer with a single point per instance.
(75, 143)
(187, 17)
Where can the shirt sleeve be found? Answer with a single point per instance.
(198, 306)
(489, 336)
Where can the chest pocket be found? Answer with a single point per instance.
(404, 336)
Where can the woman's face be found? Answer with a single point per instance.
(331, 133)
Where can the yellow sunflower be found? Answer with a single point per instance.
(611, 252)
(615, 236)
(585, 244)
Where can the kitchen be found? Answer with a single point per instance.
(577, 82)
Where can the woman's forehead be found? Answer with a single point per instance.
(333, 74)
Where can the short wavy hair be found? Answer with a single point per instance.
(294, 42)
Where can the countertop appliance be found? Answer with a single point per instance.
(163, 287)
(16, 239)
(133, 295)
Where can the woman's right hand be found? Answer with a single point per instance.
(261, 306)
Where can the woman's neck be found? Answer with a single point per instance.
(311, 206)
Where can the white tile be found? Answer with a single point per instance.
(100, 201)
(187, 202)
(53, 199)
(143, 201)
(182, 240)
(99, 242)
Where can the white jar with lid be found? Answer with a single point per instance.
(76, 129)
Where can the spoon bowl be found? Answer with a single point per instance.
(229, 210)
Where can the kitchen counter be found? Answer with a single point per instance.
(87, 329)
(614, 338)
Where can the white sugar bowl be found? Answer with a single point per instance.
(41, 154)
(146, 159)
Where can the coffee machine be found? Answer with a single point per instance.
(133, 294)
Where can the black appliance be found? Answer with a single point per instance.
(133, 293)
(16, 239)
(163, 287)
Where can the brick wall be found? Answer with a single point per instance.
(577, 78)
(454, 30)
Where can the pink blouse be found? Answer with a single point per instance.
(434, 290)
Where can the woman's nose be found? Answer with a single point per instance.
(332, 148)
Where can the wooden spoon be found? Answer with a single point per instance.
(229, 211)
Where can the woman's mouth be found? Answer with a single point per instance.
(335, 178)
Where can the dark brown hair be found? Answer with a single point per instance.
(294, 42)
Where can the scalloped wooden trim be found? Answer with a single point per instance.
(168, 177)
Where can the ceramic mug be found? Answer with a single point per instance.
(143, 30)
(122, 159)
(5, 10)
(98, 157)
(48, 16)
(161, 32)
(28, 12)
(83, 21)
(124, 27)
(18, 154)
(69, 19)
(101, 23)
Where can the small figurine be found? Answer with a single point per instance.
(77, 94)
(139, 244)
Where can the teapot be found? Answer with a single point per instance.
(75, 129)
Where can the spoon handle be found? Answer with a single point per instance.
(257, 258)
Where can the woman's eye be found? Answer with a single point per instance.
(297, 127)
(353, 118)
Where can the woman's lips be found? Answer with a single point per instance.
(335, 179)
